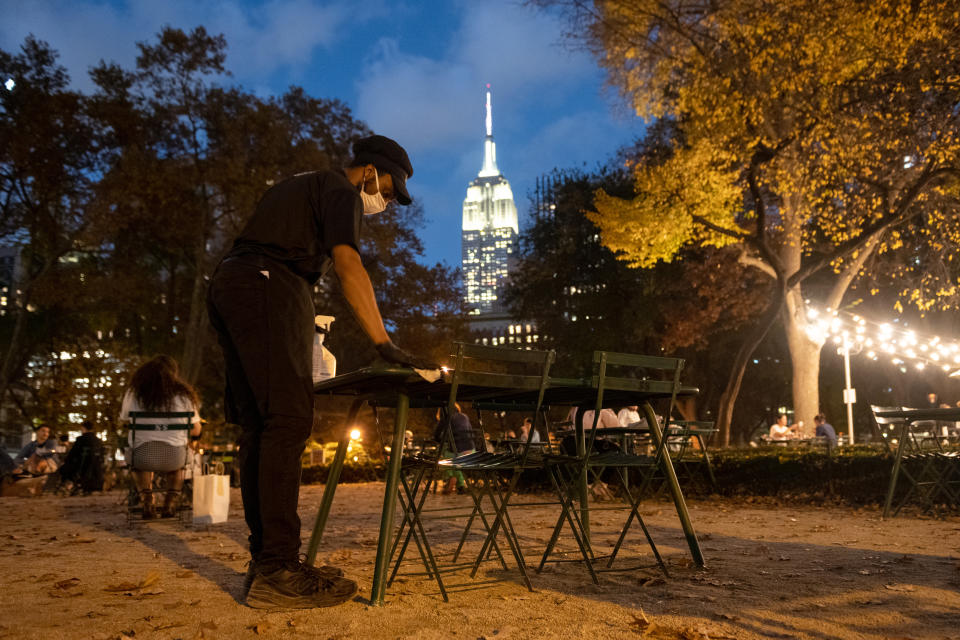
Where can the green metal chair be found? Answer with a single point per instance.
(476, 366)
(931, 472)
(569, 473)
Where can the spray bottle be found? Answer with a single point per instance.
(324, 363)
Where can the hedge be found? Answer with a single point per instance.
(854, 475)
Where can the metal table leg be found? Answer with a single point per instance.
(389, 502)
(896, 469)
(671, 475)
(330, 488)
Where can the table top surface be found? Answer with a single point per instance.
(380, 385)
(951, 413)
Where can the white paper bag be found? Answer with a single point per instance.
(211, 498)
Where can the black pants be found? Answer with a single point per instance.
(263, 314)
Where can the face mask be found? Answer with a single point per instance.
(372, 203)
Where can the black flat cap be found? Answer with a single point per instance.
(387, 156)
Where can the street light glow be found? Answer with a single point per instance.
(355, 434)
(9, 84)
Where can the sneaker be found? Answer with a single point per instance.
(325, 571)
(298, 586)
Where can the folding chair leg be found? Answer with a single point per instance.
(503, 519)
(635, 513)
(568, 512)
(477, 498)
(411, 509)
(418, 533)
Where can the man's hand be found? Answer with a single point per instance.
(395, 355)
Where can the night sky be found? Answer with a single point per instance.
(414, 71)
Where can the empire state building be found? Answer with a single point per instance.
(490, 231)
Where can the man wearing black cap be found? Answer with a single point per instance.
(261, 306)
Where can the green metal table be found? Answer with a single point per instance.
(402, 389)
(908, 417)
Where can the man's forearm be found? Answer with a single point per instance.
(358, 291)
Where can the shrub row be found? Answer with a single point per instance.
(854, 475)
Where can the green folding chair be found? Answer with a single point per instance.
(569, 473)
(480, 373)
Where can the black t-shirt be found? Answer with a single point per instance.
(300, 220)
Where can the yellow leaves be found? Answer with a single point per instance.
(673, 201)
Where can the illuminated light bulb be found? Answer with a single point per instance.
(935, 356)
(861, 322)
(886, 329)
(870, 354)
(868, 342)
(861, 330)
(923, 347)
(920, 366)
(836, 339)
(812, 313)
(911, 353)
(355, 434)
(945, 367)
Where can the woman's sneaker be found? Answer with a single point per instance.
(297, 586)
(325, 571)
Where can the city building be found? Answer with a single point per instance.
(489, 244)
(490, 229)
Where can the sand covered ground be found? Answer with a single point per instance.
(71, 568)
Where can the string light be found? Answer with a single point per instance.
(901, 345)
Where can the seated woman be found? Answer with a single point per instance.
(157, 386)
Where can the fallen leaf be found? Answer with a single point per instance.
(864, 572)
(260, 628)
(67, 584)
(650, 582)
(900, 587)
(169, 625)
(727, 616)
(641, 623)
(184, 574)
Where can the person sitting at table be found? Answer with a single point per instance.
(631, 416)
(608, 419)
(157, 386)
(40, 456)
(525, 430)
(779, 430)
(825, 429)
(83, 468)
(462, 442)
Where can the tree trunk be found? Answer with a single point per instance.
(195, 333)
(804, 360)
(728, 398)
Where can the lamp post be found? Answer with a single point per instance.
(849, 393)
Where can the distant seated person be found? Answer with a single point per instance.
(608, 419)
(779, 430)
(40, 456)
(629, 416)
(825, 429)
(462, 432)
(83, 467)
(157, 387)
(525, 430)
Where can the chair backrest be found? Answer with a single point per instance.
(881, 424)
(657, 375)
(480, 365)
(159, 421)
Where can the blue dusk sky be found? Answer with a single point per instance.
(414, 71)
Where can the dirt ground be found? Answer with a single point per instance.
(72, 568)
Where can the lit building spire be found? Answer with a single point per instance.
(489, 146)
